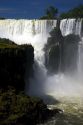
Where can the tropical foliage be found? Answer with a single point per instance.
(50, 13)
(77, 12)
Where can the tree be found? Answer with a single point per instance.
(50, 13)
(77, 12)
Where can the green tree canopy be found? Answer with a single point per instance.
(77, 12)
(50, 13)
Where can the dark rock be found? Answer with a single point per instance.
(19, 109)
(13, 61)
(53, 50)
(61, 52)
(70, 53)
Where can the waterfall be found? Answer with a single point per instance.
(74, 26)
(33, 32)
(71, 26)
(80, 60)
(36, 32)
(69, 84)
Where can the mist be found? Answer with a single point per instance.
(68, 80)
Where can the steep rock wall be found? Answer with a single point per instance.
(13, 60)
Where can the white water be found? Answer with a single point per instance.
(72, 112)
(68, 85)
(36, 33)
(71, 26)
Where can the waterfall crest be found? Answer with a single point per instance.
(71, 26)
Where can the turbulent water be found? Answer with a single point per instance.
(72, 112)
(60, 85)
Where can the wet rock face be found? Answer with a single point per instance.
(57, 111)
(54, 56)
(61, 52)
(53, 50)
(70, 53)
(13, 62)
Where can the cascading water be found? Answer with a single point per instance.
(60, 85)
(33, 32)
(66, 84)
(36, 32)
(80, 60)
(71, 26)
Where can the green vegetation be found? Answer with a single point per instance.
(19, 109)
(77, 12)
(6, 43)
(51, 13)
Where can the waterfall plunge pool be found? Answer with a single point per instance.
(72, 112)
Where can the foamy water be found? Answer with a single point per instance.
(72, 112)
